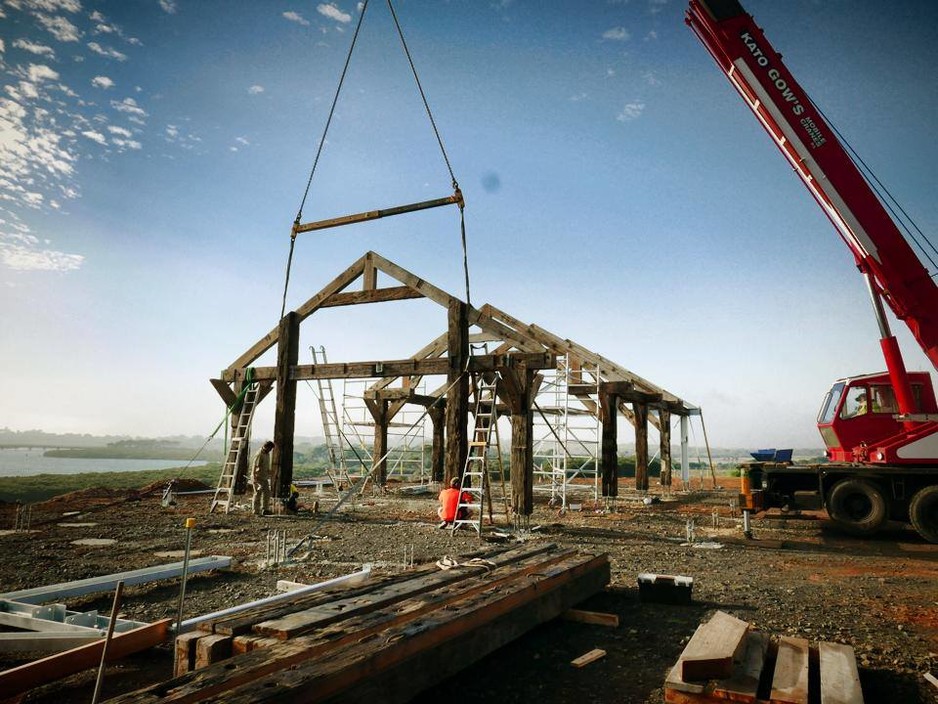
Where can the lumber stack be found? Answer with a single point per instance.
(382, 642)
(726, 660)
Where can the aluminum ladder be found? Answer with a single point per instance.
(475, 490)
(224, 493)
(330, 423)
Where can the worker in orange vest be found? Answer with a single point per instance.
(449, 502)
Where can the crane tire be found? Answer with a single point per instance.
(857, 506)
(923, 513)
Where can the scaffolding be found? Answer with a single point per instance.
(568, 432)
(407, 458)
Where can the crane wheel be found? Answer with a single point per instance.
(857, 506)
(923, 512)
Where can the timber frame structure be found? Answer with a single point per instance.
(519, 353)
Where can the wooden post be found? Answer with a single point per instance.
(288, 354)
(379, 412)
(609, 460)
(641, 445)
(522, 442)
(438, 419)
(457, 400)
(664, 432)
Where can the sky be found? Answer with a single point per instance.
(154, 153)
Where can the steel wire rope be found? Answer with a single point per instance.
(322, 141)
(887, 199)
(439, 140)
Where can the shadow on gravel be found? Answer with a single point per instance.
(536, 667)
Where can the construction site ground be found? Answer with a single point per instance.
(798, 577)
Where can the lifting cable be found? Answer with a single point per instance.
(889, 201)
(322, 141)
(457, 194)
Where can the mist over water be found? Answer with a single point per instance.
(23, 462)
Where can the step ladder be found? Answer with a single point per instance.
(475, 490)
(224, 493)
(330, 423)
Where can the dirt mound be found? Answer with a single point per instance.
(90, 494)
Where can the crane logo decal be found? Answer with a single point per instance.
(785, 91)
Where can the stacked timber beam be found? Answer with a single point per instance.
(383, 642)
(726, 660)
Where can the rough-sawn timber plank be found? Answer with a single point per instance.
(840, 681)
(405, 660)
(713, 647)
(790, 681)
(25, 677)
(214, 680)
(742, 686)
(310, 619)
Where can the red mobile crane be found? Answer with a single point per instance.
(881, 430)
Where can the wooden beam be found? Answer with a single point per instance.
(228, 396)
(437, 452)
(713, 647)
(23, 678)
(380, 415)
(381, 295)
(288, 350)
(609, 449)
(790, 680)
(640, 410)
(840, 680)
(664, 446)
(396, 367)
(593, 618)
(587, 658)
(409, 658)
(457, 398)
(304, 311)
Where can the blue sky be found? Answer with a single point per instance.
(153, 154)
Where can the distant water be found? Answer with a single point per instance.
(19, 462)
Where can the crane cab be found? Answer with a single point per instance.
(859, 414)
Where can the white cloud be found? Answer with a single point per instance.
(24, 258)
(169, 6)
(40, 72)
(34, 48)
(59, 27)
(242, 140)
(53, 5)
(332, 12)
(102, 82)
(95, 137)
(578, 97)
(656, 6)
(651, 79)
(172, 131)
(107, 51)
(631, 111)
(256, 89)
(296, 17)
(2, 45)
(618, 34)
(651, 36)
(129, 106)
(120, 131)
(124, 144)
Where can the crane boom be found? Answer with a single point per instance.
(882, 254)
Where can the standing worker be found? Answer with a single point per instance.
(260, 479)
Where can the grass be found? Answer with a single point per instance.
(40, 487)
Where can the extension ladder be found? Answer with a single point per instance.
(330, 423)
(475, 490)
(224, 493)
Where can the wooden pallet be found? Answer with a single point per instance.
(383, 642)
(762, 670)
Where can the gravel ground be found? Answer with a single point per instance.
(799, 577)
